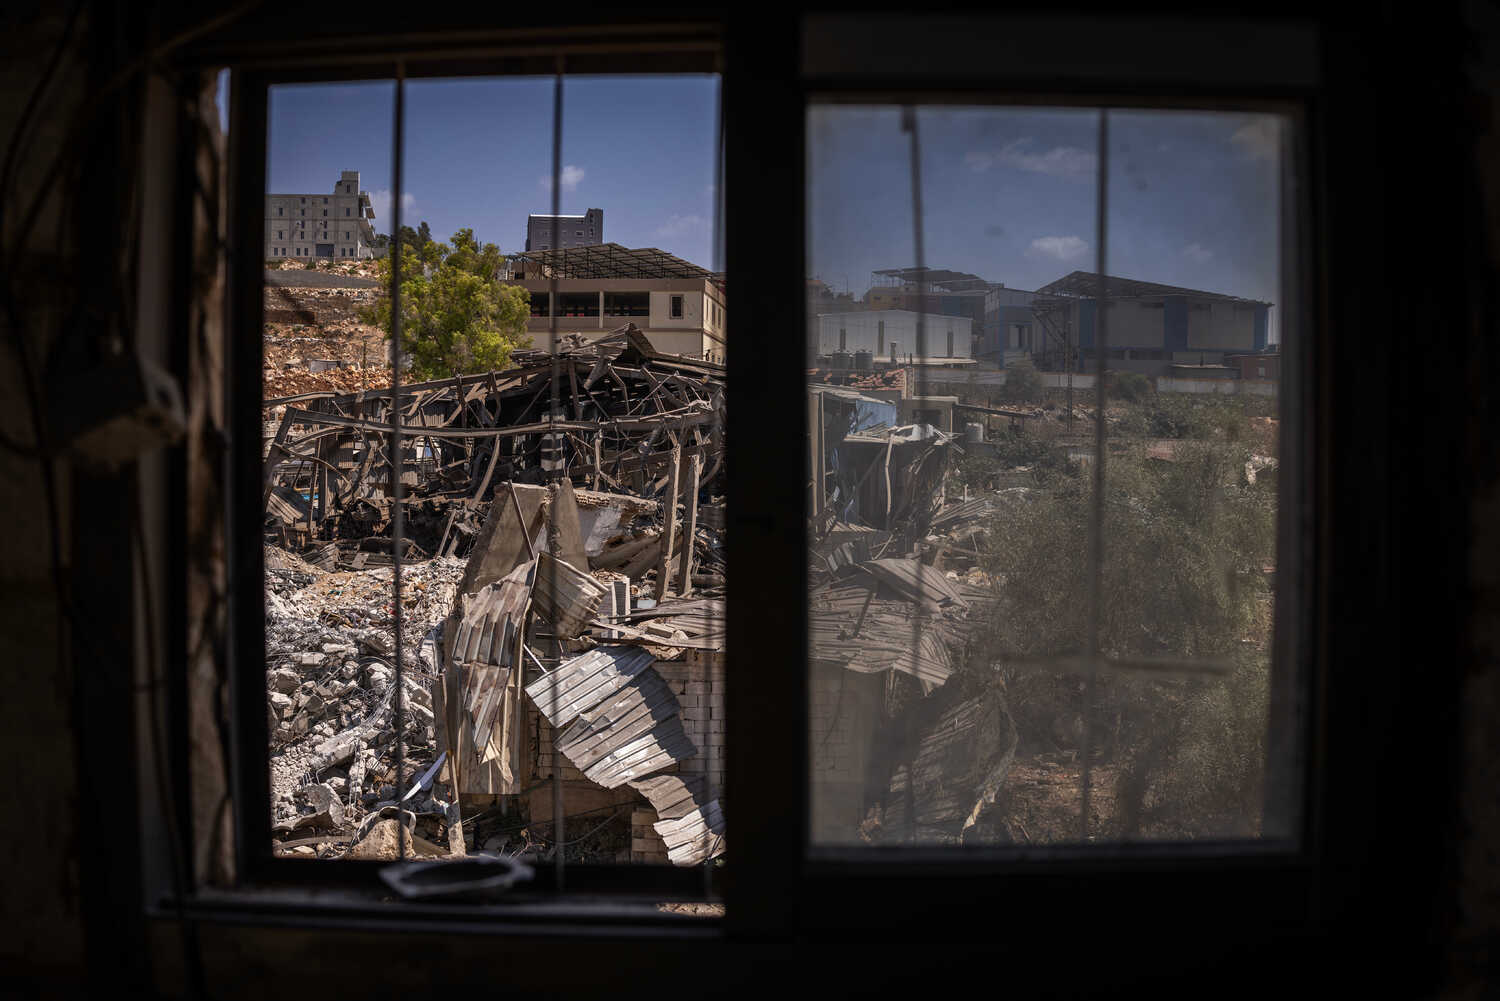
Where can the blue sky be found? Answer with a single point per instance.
(1009, 194)
(479, 153)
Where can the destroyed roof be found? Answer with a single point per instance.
(1085, 285)
(611, 260)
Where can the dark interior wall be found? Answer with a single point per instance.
(1473, 891)
(57, 842)
(42, 905)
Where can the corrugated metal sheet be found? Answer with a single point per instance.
(959, 766)
(914, 581)
(692, 829)
(621, 720)
(850, 628)
(478, 694)
(694, 838)
(672, 796)
(566, 596)
(585, 681)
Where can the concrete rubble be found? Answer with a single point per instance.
(539, 545)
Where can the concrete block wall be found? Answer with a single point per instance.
(645, 844)
(698, 682)
(844, 708)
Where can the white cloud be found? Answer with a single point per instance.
(571, 176)
(1058, 248)
(1259, 138)
(380, 201)
(1059, 161)
(681, 225)
(1197, 253)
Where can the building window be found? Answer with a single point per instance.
(278, 210)
(627, 304)
(676, 307)
(880, 337)
(347, 211)
(950, 344)
(325, 212)
(843, 339)
(578, 304)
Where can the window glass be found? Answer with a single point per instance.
(1033, 622)
(560, 502)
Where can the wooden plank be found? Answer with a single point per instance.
(690, 497)
(670, 531)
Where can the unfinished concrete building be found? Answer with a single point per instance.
(335, 226)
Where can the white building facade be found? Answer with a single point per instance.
(890, 335)
(335, 226)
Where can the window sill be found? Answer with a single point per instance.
(536, 915)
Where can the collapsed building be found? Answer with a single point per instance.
(562, 603)
(903, 747)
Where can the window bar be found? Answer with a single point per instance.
(398, 525)
(909, 125)
(1096, 517)
(396, 521)
(710, 794)
(558, 839)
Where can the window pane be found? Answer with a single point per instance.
(992, 647)
(562, 562)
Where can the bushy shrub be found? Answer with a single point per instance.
(1132, 387)
(1022, 383)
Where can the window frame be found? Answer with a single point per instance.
(1149, 892)
(1319, 906)
(248, 138)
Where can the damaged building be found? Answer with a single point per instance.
(553, 632)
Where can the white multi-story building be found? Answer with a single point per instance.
(333, 226)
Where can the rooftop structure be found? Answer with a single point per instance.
(608, 260)
(679, 306)
(1085, 284)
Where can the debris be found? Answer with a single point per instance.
(516, 583)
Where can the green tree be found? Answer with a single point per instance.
(456, 314)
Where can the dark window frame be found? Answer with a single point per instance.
(247, 156)
(1318, 906)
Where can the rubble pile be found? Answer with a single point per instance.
(330, 682)
(562, 583)
(904, 748)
